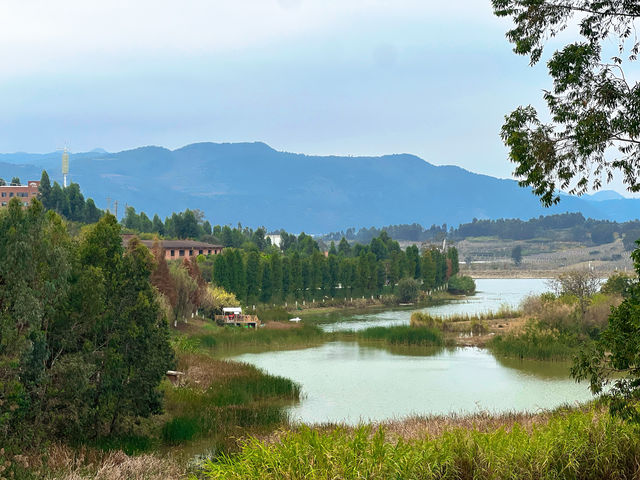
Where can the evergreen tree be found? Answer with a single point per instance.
(91, 213)
(344, 248)
(158, 226)
(253, 276)
(276, 277)
(15, 181)
(44, 190)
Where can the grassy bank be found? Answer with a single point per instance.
(576, 444)
(216, 396)
(537, 343)
(207, 336)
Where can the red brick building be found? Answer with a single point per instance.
(25, 193)
(179, 249)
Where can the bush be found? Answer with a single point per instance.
(462, 285)
(408, 289)
(618, 284)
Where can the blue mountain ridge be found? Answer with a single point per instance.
(256, 185)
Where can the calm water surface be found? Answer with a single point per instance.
(491, 295)
(348, 382)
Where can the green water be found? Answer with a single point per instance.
(348, 382)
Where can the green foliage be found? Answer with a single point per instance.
(83, 344)
(617, 284)
(239, 395)
(403, 335)
(232, 337)
(592, 105)
(615, 357)
(585, 445)
(462, 285)
(179, 430)
(408, 289)
(68, 202)
(537, 343)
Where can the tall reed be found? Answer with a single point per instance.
(578, 445)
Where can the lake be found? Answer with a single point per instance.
(351, 383)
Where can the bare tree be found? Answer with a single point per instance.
(582, 284)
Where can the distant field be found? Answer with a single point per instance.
(540, 256)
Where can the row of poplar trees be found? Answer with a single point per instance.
(274, 277)
(83, 341)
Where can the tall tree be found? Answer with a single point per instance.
(594, 112)
(160, 276)
(44, 189)
(593, 105)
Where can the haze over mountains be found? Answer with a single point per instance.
(256, 185)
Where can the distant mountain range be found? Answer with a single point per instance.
(257, 185)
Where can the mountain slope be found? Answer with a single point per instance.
(256, 185)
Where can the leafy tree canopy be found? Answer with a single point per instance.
(594, 124)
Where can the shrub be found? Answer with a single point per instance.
(408, 289)
(462, 285)
(618, 284)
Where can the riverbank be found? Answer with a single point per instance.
(583, 443)
(566, 443)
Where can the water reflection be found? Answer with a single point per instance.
(351, 382)
(492, 294)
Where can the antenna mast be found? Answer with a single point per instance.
(65, 167)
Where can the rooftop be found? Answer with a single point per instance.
(186, 244)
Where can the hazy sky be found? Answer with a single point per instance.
(359, 77)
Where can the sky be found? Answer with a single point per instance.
(346, 77)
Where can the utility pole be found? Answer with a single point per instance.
(115, 204)
(108, 204)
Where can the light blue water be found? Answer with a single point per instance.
(491, 295)
(348, 382)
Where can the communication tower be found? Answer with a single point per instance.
(65, 167)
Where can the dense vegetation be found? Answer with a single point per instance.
(303, 272)
(68, 202)
(565, 227)
(579, 444)
(83, 341)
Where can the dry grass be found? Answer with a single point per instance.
(202, 370)
(433, 426)
(61, 462)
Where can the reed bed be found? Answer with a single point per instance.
(578, 444)
(218, 396)
(425, 319)
(403, 335)
(537, 343)
(233, 337)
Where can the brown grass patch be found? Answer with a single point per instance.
(202, 370)
(61, 462)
